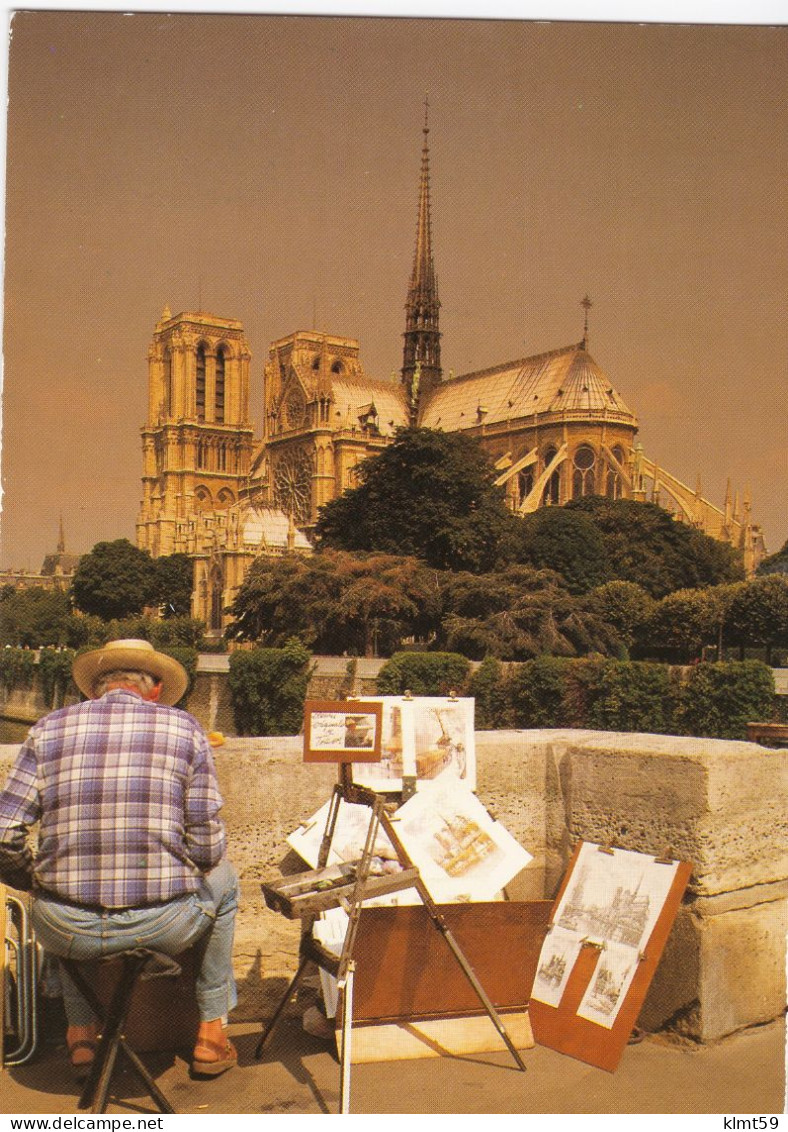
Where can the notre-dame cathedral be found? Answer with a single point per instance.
(554, 425)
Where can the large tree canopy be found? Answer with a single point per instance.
(337, 602)
(115, 579)
(645, 544)
(431, 495)
(569, 542)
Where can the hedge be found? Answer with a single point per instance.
(268, 689)
(424, 674)
(715, 700)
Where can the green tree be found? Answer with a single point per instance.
(518, 614)
(174, 580)
(775, 563)
(268, 688)
(568, 542)
(430, 495)
(337, 602)
(36, 617)
(758, 614)
(689, 620)
(625, 606)
(115, 579)
(646, 545)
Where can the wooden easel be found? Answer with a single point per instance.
(305, 895)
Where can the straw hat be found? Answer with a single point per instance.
(133, 655)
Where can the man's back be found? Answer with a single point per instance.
(126, 794)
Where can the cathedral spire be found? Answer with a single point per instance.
(422, 350)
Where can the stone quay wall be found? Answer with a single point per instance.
(721, 805)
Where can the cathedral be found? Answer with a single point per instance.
(553, 424)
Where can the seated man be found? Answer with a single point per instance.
(131, 848)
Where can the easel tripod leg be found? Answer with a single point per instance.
(258, 1053)
(346, 1058)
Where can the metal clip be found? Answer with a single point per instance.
(666, 858)
(606, 848)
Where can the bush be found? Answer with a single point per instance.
(187, 657)
(54, 674)
(268, 689)
(487, 687)
(424, 674)
(633, 696)
(719, 700)
(16, 667)
(537, 692)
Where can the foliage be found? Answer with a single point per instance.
(115, 580)
(487, 686)
(645, 544)
(268, 689)
(423, 674)
(362, 604)
(688, 620)
(775, 563)
(569, 542)
(16, 667)
(518, 614)
(538, 693)
(719, 700)
(187, 658)
(37, 617)
(430, 495)
(758, 613)
(625, 606)
(174, 580)
(632, 696)
(54, 674)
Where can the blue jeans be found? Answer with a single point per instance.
(207, 915)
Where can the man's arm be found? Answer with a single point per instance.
(204, 829)
(19, 809)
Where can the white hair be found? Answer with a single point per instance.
(141, 680)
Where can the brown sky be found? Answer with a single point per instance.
(267, 167)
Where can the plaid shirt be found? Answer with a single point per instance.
(126, 794)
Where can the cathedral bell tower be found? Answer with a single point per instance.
(421, 361)
(197, 442)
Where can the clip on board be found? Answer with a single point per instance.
(610, 923)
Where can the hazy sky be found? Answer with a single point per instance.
(266, 167)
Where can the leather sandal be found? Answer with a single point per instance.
(82, 1068)
(225, 1057)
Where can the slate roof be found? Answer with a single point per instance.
(565, 381)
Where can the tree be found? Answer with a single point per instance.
(429, 495)
(775, 563)
(174, 580)
(646, 545)
(337, 602)
(518, 614)
(115, 579)
(569, 542)
(36, 617)
(625, 606)
(758, 614)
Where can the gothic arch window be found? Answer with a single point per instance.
(225, 498)
(202, 499)
(337, 367)
(614, 488)
(220, 376)
(552, 490)
(583, 474)
(200, 454)
(525, 483)
(200, 382)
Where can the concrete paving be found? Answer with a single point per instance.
(299, 1074)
